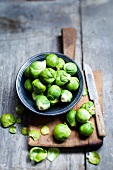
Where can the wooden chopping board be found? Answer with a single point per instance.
(75, 139)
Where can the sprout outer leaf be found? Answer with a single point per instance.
(52, 154)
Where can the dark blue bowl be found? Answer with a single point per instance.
(58, 109)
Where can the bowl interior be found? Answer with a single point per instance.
(53, 110)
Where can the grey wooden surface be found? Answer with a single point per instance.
(28, 28)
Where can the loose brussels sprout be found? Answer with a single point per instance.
(52, 154)
(42, 103)
(36, 67)
(66, 96)
(28, 85)
(26, 72)
(70, 68)
(12, 129)
(62, 77)
(34, 134)
(53, 92)
(19, 120)
(48, 75)
(44, 130)
(19, 109)
(87, 128)
(89, 106)
(24, 131)
(93, 157)
(71, 118)
(61, 132)
(7, 120)
(38, 86)
(61, 64)
(85, 92)
(73, 84)
(52, 60)
(82, 115)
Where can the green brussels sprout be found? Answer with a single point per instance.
(73, 84)
(53, 92)
(52, 154)
(38, 86)
(61, 64)
(18, 120)
(27, 73)
(42, 103)
(7, 120)
(36, 67)
(66, 96)
(62, 77)
(71, 118)
(52, 60)
(19, 109)
(24, 131)
(61, 132)
(44, 130)
(87, 128)
(34, 134)
(85, 92)
(82, 115)
(12, 129)
(70, 68)
(28, 85)
(48, 75)
(55, 101)
(89, 106)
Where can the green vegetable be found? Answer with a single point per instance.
(85, 92)
(24, 131)
(71, 118)
(34, 95)
(19, 109)
(52, 154)
(89, 106)
(48, 75)
(73, 84)
(12, 129)
(26, 72)
(93, 157)
(7, 120)
(61, 132)
(36, 67)
(52, 60)
(53, 92)
(19, 120)
(70, 68)
(87, 128)
(28, 85)
(66, 96)
(61, 64)
(38, 154)
(82, 115)
(38, 86)
(55, 101)
(42, 103)
(62, 77)
(44, 130)
(34, 134)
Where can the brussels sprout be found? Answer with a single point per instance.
(24, 131)
(38, 154)
(36, 67)
(66, 96)
(7, 120)
(42, 103)
(28, 85)
(85, 92)
(89, 106)
(48, 75)
(44, 130)
(52, 60)
(52, 154)
(82, 115)
(12, 129)
(73, 84)
(61, 132)
(62, 77)
(34, 95)
(19, 109)
(38, 86)
(70, 68)
(71, 117)
(87, 128)
(26, 72)
(55, 101)
(61, 64)
(53, 92)
(19, 120)
(34, 134)
(93, 157)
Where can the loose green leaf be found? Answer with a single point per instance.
(38, 154)
(44, 130)
(24, 131)
(85, 92)
(19, 109)
(93, 157)
(12, 129)
(53, 153)
(19, 120)
(34, 134)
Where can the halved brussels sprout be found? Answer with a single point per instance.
(87, 128)
(38, 86)
(73, 84)
(66, 96)
(62, 77)
(82, 115)
(36, 67)
(70, 68)
(71, 118)
(52, 60)
(48, 75)
(53, 92)
(61, 64)
(7, 120)
(42, 103)
(28, 85)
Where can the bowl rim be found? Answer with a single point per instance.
(21, 97)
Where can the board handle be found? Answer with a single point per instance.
(69, 42)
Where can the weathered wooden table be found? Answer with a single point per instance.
(28, 28)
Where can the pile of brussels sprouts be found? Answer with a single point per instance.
(51, 81)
